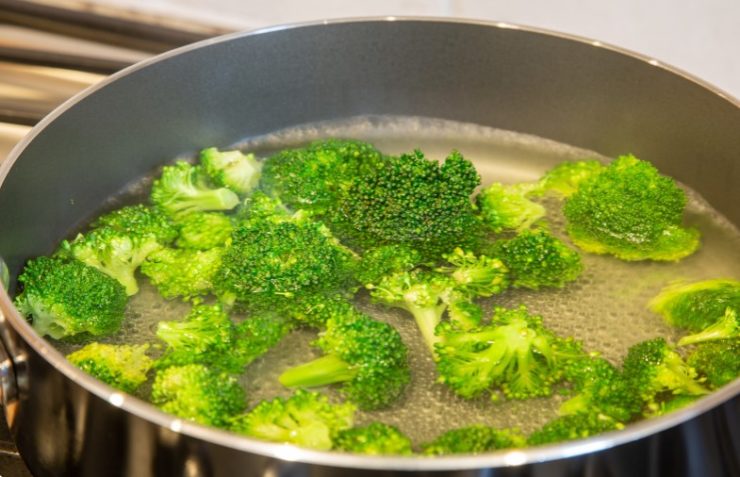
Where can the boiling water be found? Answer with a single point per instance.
(605, 307)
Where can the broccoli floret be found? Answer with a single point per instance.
(412, 201)
(66, 298)
(535, 259)
(183, 272)
(122, 366)
(204, 230)
(727, 327)
(385, 260)
(515, 353)
(367, 356)
(256, 335)
(139, 220)
(474, 439)
(507, 207)
(277, 257)
(374, 439)
(199, 394)
(654, 368)
(573, 426)
(259, 205)
(312, 178)
(719, 361)
(600, 389)
(182, 189)
(233, 169)
(306, 419)
(311, 309)
(565, 178)
(462, 311)
(478, 276)
(695, 306)
(632, 212)
(112, 252)
(674, 403)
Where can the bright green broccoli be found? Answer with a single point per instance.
(674, 403)
(182, 188)
(259, 205)
(374, 439)
(632, 212)
(474, 439)
(198, 393)
(572, 427)
(366, 356)
(654, 368)
(305, 419)
(413, 201)
(475, 276)
(536, 259)
(122, 366)
(507, 207)
(719, 361)
(183, 272)
(139, 220)
(66, 298)
(515, 353)
(204, 230)
(695, 306)
(727, 327)
(233, 169)
(385, 260)
(312, 177)
(565, 178)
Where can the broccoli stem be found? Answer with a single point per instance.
(725, 327)
(325, 370)
(427, 319)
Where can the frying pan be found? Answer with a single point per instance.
(219, 91)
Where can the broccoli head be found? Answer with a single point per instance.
(632, 212)
(306, 419)
(515, 353)
(183, 188)
(476, 276)
(198, 393)
(367, 356)
(536, 259)
(259, 205)
(507, 207)
(385, 260)
(67, 298)
(122, 366)
(474, 439)
(413, 201)
(719, 361)
(183, 272)
(727, 327)
(204, 230)
(572, 427)
(139, 220)
(311, 310)
(695, 306)
(312, 177)
(374, 439)
(233, 169)
(565, 178)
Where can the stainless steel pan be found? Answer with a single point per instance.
(219, 91)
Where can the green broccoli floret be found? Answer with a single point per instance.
(233, 169)
(139, 220)
(366, 356)
(312, 310)
(695, 306)
(600, 389)
(257, 334)
(507, 207)
(277, 257)
(306, 419)
(476, 276)
(112, 252)
(66, 298)
(719, 361)
(412, 201)
(515, 353)
(474, 439)
(385, 260)
(259, 205)
(632, 212)
(374, 439)
(204, 230)
(182, 188)
(654, 368)
(122, 366)
(462, 311)
(565, 178)
(536, 259)
(573, 426)
(674, 403)
(183, 272)
(198, 393)
(312, 178)
(727, 327)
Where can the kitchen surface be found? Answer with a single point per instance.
(52, 49)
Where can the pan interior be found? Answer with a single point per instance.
(605, 307)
